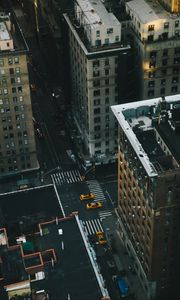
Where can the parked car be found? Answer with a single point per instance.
(94, 205)
(87, 196)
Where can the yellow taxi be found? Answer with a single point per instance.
(100, 237)
(87, 196)
(94, 205)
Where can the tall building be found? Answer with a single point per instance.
(96, 57)
(17, 141)
(149, 191)
(155, 29)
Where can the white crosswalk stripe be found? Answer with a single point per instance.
(92, 226)
(95, 188)
(104, 213)
(66, 177)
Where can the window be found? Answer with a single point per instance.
(2, 71)
(177, 50)
(18, 79)
(106, 100)
(163, 81)
(14, 99)
(177, 60)
(96, 93)
(151, 83)
(150, 38)
(174, 89)
(162, 91)
(19, 89)
(96, 63)
(97, 119)
(21, 98)
(177, 33)
(164, 72)
(166, 25)
(10, 61)
(5, 91)
(11, 71)
(151, 27)
(98, 42)
(109, 30)
(1, 62)
(152, 64)
(4, 81)
(17, 70)
(152, 74)
(164, 62)
(117, 38)
(97, 128)
(107, 109)
(107, 81)
(151, 93)
(97, 33)
(106, 91)
(16, 60)
(153, 54)
(106, 41)
(96, 101)
(175, 70)
(97, 145)
(13, 90)
(165, 52)
(175, 79)
(96, 82)
(97, 111)
(12, 80)
(177, 23)
(106, 62)
(96, 73)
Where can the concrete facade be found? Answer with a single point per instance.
(18, 149)
(148, 197)
(156, 33)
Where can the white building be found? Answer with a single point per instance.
(95, 55)
(156, 34)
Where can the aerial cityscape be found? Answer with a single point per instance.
(89, 149)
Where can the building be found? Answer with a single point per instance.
(154, 27)
(43, 253)
(148, 191)
(18, 149)
(97, 78)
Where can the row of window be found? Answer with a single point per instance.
(152, 74)
(13, 80)
(166, 25)
(98, 92)
(12, 71)
(174, 89)
(15, 168)
(152, 64)
(174, 80)
(11, 60)
(96, 63)
(153, 54)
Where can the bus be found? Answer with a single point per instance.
(123, 287)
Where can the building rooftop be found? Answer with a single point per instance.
(148, 10)
(45, 251)
(15, 37)
(96, 13)
(153, 129)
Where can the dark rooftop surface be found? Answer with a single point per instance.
(28, 206)
(72, 275)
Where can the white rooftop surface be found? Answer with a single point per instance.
(96, 12)
(126, 126)
(147, 11)
(4, 34)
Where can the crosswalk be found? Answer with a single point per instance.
(104, 213)
(95, 188)
(92, 226)
(66, 177)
